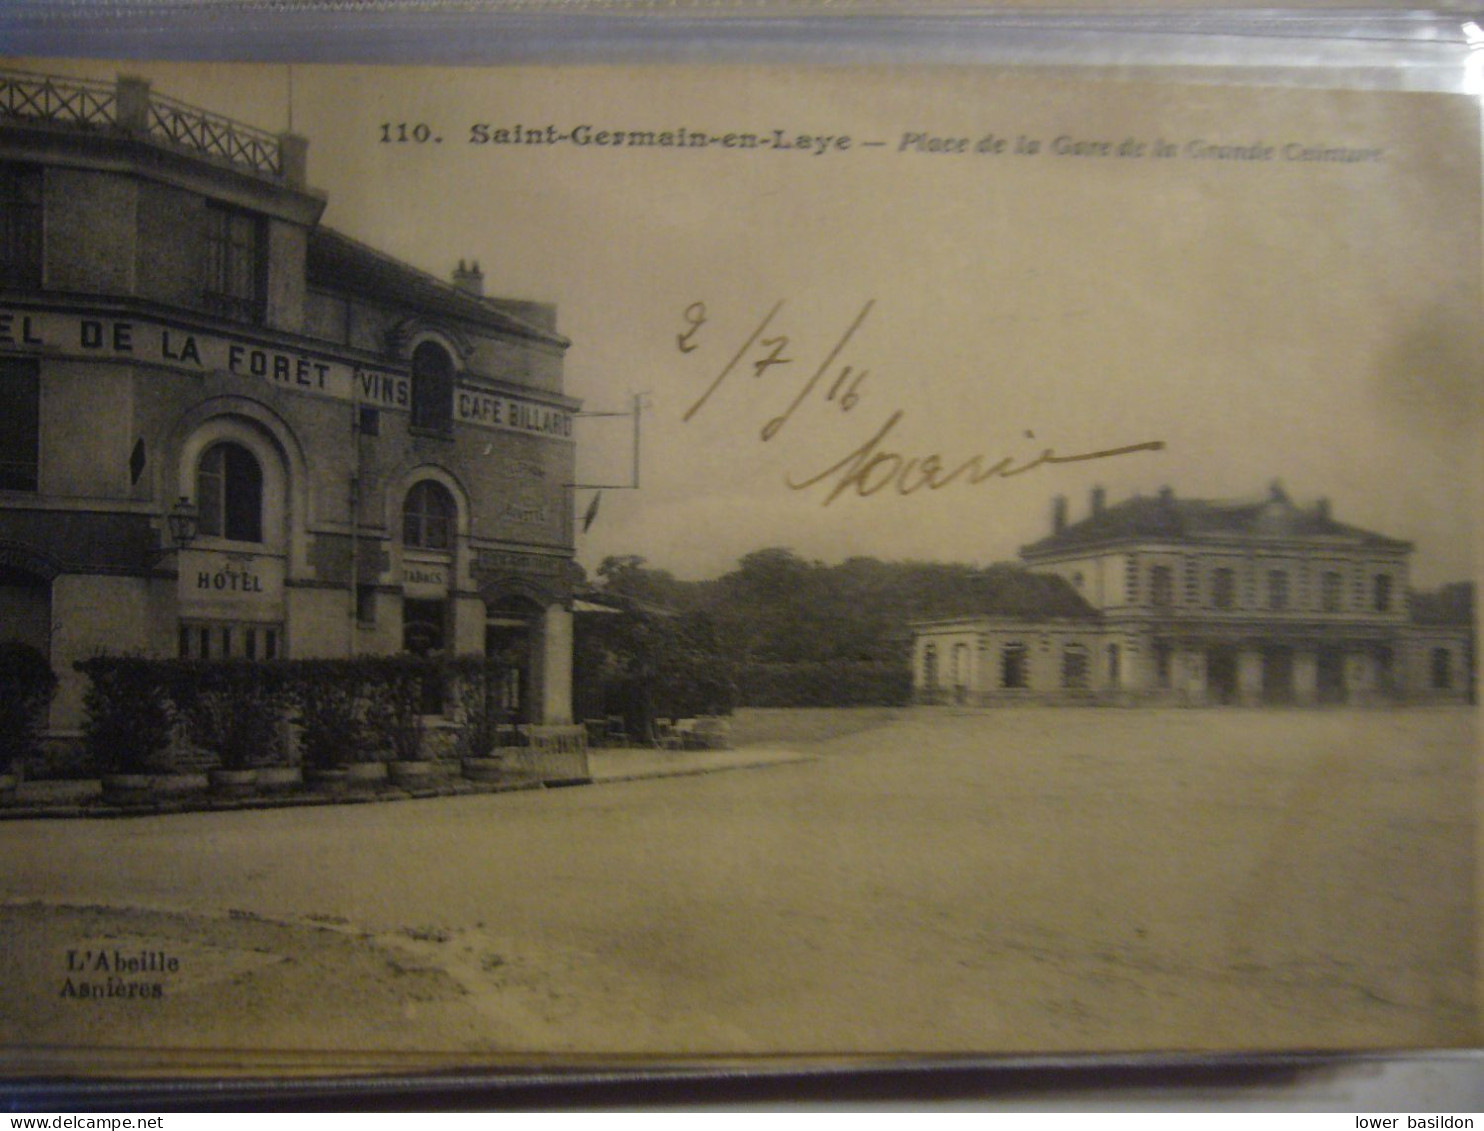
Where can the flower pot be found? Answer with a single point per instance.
(411, 773)
(232, 783)
(279, 779)
(327, 777)
(128, 789)
(365, 775)
(484, 769)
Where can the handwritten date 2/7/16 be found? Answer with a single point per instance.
(872, 467)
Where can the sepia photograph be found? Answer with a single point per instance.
(581, 566)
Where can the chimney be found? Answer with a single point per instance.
(469, 279)
(293, 160)
(1099, 497)
(1058, 514)
(131, 104)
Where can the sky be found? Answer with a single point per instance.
(1310, 322)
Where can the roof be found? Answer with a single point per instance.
(1165, 517)
(1009, 592)
(340, 263)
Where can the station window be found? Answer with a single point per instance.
(20, 227)
(1331, 590)
(1162, 586)
(229, 493)
(432, 389)
(930, 667)
(1223, 588)
(1074, 666)
(428, 516)
(20, 424)
(1381, 592)
(1442, 674)
(1277, 589)
(236, 279)
(1014, 666)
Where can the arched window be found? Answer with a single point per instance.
(229, 493)
(432, 388)
(429, 516)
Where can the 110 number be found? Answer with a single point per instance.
(419, 132)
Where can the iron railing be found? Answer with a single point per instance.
(98, 105)
(201, 131)
(48, 98)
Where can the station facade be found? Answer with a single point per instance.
(1199, 601)
(227, 430)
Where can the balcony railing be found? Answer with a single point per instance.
(129, 106)
(48, 98)
(201, 131)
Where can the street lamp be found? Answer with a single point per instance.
(183, 520)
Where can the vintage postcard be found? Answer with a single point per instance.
(670, 565)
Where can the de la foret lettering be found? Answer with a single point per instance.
(71, 334)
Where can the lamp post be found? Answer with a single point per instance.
(183, 521)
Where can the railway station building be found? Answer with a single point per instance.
(1197, 601)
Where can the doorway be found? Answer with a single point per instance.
(510, 640)
(1329, 676)
(1277, 675)
(1221, 674)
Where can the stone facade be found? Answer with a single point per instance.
(1200, 601)
(375, 459)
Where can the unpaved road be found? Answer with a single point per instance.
(1011, 881)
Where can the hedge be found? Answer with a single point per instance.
(825, 684)
(346, 710)
(27, 684)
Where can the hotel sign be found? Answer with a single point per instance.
(226, 584)
(149, 342)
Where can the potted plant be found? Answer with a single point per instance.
(328, 703)
(395, 717)
(232, 709)
(128, 726)
(478, 718)
(27, 684)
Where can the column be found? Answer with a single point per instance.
(1249, 677)
(1190, 674)
(1358, 681)
(555, 684)
(1305, 678)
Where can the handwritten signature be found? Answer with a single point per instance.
(871, 467)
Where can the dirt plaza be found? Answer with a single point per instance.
(923, 881)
